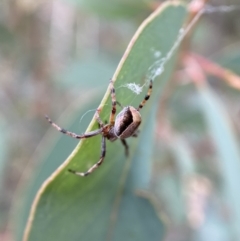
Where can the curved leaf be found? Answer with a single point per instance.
(103, 206)
(116, 8)
(227, 150)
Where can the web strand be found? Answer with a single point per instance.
(157, 68)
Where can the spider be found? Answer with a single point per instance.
(123, 126)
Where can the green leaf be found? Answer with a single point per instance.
(227, 151)
(114, 9)
(4, 145)
(56, 150)
(81, 74)
(103, 205)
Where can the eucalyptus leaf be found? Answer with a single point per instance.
(227, 151)
(103, 206)
(116, 8)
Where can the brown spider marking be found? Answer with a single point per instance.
(125, 125)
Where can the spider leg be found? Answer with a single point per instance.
(97, 117)
(136, 133)
(74, 135)
(95, 166)
(125, 146)
(114, 103)
(146, 97)
(118, 103)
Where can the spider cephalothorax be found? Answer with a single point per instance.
(123, 126)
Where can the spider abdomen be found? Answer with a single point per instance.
(127, 122)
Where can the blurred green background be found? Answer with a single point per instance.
(57, 57)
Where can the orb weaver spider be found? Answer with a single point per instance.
(123, 126)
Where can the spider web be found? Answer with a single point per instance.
(157, 68)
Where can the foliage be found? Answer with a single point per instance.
(182, 174)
